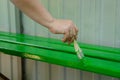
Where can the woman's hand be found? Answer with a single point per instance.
(66, 27)
(36, 11)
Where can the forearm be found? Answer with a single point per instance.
(35, 10)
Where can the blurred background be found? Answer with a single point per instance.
(98, 22)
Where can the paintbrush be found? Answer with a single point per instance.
(78, 50)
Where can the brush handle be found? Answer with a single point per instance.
(78, 50)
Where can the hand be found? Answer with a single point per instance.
(66, 27)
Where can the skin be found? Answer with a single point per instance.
(36, 11)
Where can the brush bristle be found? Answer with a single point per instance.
(78, 50)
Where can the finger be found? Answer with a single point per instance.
(71, 32)
(71, 40)
(66, 36)
(75, 37)
(75, 32)
(72, 35)
(76, 29)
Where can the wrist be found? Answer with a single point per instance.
(50, 23)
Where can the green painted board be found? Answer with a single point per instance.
(98, 59)
(88, 49)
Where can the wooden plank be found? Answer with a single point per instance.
(34, 50)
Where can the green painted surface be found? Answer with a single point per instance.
(88, 49)
(98, 59)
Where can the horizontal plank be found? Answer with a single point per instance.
(90, 50)
(97, 59)
(62, 58)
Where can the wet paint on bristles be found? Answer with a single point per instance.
(78, 50)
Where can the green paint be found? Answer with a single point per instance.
(90, 50)
(98, 59)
